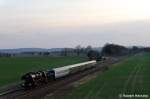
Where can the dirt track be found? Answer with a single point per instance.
(51, 90)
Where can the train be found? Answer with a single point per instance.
(35, 79)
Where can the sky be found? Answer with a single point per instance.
(68, 23)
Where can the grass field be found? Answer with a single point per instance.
(11, 69)
(129, 77)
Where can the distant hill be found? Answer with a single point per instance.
(20, 50)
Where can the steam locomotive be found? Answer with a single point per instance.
(34, 79)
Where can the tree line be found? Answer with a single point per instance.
(107, 50)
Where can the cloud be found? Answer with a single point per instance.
(47, 23)
(125, 33)
(2, 2)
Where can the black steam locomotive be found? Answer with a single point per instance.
(34, 79)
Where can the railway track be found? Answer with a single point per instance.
(38, 93)
(10, 91)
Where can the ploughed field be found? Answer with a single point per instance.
(11, 69)
(129, 77)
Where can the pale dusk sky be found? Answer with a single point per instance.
(67, 23)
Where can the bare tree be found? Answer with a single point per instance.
(78, 49)
(88, 48)
(64, 52)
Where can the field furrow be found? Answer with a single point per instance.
(129, 77)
